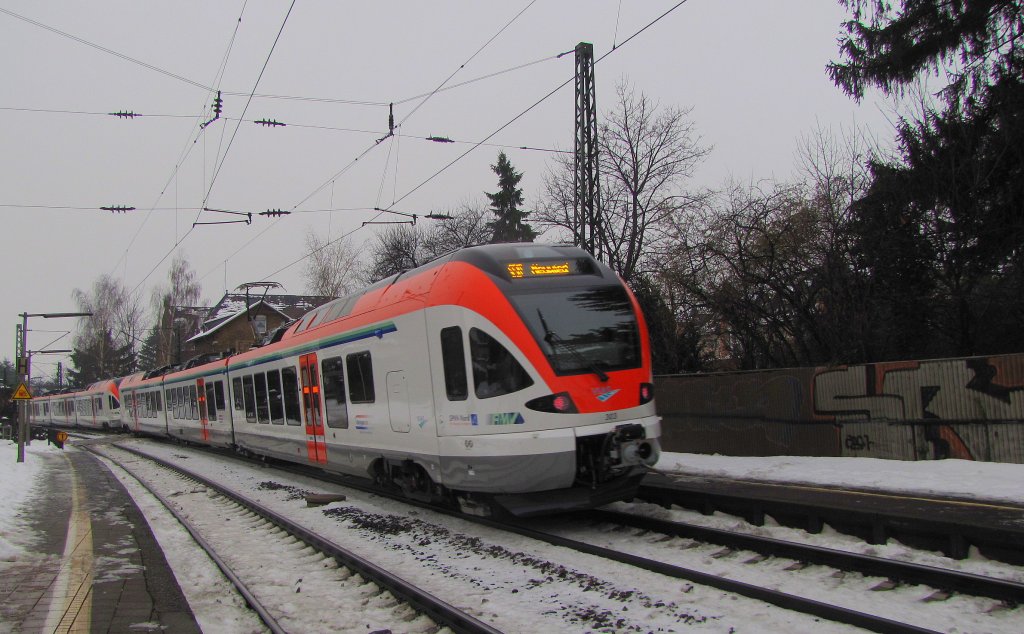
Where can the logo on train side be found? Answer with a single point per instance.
(510, 418)
(363, 422)
(604, 393)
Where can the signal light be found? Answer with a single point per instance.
(646, 393)
(560, 403)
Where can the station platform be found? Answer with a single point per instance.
(96, 566)
(947, 524)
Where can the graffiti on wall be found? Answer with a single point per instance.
(963, 392)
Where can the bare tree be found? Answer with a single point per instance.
(646, 156)
(112, 332)
(402, 247)
(332, 266)
(182, 290)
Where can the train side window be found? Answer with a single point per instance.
(453, 355)
(97, 404)
(211, 402)
(495, 370)
(236, 389)
(158, 406)
(262, 408)
(182, 408)
(360, 377)
(334, 393)
(193, 406)
(290, 379)
(275, 397)
(218, 390)
(249, 399)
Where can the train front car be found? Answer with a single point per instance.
(543, 387)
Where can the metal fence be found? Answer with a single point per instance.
(968, 408)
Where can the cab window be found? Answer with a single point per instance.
(495, 370)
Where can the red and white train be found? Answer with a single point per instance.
(517, 374)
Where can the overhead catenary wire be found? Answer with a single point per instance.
(224, 157)
(187, 149)
(266, 62)
(104, 49)
(480, 143)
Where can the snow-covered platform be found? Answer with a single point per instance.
(76, 555)
(947, 505)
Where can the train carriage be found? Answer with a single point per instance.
(514, 374)
(195, 405)
(96, 407)
(520, 371)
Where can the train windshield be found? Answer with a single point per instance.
(582, 330)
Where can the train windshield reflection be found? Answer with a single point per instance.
(582, 329)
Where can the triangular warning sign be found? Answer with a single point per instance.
(22, 393)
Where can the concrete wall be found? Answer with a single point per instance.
(969, 408)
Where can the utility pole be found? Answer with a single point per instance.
(587, 225)
(25, 373)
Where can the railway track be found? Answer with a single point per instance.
(905, 572)
(357, 589)
(901, 571)
(890, 571)
(928, 523)
(561, 533)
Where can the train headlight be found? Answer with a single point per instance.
(646, 393)
(560, 403)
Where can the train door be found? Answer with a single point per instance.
(398, 402)
(133, 411)
(204, 416)
(316, 448)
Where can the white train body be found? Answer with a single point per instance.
(516, 372)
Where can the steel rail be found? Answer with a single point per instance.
(440, 611)
(243, 590)
(781, 599)
(941, 578)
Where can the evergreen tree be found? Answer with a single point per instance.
(942, 227)
(149, 353)
(510, 223)
(99, 358)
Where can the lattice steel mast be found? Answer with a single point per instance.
(587, 199)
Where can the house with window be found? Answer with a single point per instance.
(235, 323)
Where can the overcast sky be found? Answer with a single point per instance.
(753, 73)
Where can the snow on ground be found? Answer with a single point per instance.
(450, 554)
(990, 481)
(17, 481)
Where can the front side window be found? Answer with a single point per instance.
(218, 390)
(262, 407)
(290, 379)
(334, 393)
(495, 370)
(237, 390)
(453, 356)
(249, 399)
(360, 378)
(275, 397)
(584, 329)
(211, 404)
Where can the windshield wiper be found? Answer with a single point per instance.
(553, 340)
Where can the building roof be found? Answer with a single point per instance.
(233, 304)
